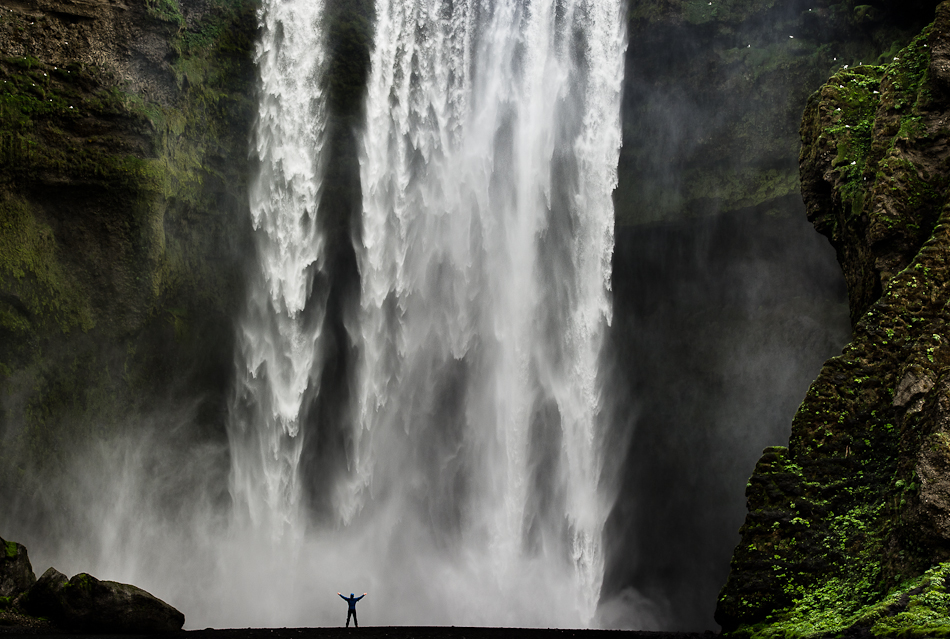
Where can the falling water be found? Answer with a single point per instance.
(279, 334)
(471, 494)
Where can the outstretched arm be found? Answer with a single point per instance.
(342, 597)
(361, 596)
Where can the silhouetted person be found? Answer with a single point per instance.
(351, 600)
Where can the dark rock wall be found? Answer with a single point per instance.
(125, 238)
(719, 327)
(726, 301)
(123, 224)
(847, 527)
(714, 93)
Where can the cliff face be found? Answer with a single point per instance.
(714, 93)
(123, 224)
(726, 301)
(849, 526)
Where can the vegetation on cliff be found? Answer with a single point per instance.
(725, 300)
(123, 163)
(848, 528)
(715, 90)
(123, 231)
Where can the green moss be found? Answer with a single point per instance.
(166, 11)
(870, 558)
(32, 271)
(111, 212)
(11, 549)
(82, 581)
(918, 607)
(853, 548)
(41, 110)
(858, 95)
(883, 201)
(745, 187)
(854, 94)
(698, 12)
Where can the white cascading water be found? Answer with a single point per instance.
(278, 338)
(489, 159)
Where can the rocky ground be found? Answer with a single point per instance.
(389, 632)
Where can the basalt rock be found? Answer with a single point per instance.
(16, 573)
(848, 529)
(87, 604)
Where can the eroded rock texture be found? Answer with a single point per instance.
(849, 527)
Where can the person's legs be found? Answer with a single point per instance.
(350, 613)
(356, 624)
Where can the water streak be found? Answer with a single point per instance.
(490, 157)
(278, 336)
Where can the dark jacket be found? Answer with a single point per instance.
(351, 600)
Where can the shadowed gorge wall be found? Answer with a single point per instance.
(726, 300)
(727, 320)
(714, 94)
(846, 529)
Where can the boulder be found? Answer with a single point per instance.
(16, 573)
(87, 604)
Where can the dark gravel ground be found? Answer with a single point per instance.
(375, 632)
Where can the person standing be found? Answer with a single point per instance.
(351, 600)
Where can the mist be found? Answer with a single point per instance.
(145, 507)
(730, 320)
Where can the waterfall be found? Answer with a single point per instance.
(471, 492)
(278, 335)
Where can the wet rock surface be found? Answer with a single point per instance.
(123, 220)
(55, 603)
(90, 605)
(16, 573)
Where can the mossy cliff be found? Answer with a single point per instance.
(848, 529)
(714, 94)
(123, 163)
(125, 233)
(726, 301)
